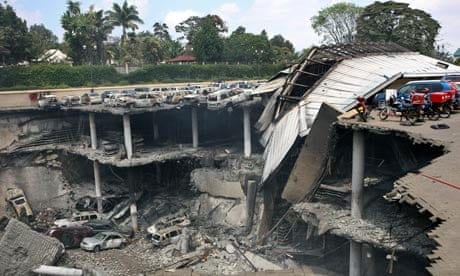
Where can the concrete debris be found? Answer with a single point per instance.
(260, 263)
(217, 183)
(22, 249)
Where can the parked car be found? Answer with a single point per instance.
(103, 240)
(77, 219)
(148, 100)
(48, 101)
(226, 98)
(88, 203)
(166, 236)
(70, 100)
(177, 219)
(70, 236)
(18, 201)
(105, 225)
(95, 98)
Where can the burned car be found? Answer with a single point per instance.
(179, 219)
(70, 236)
(105, 225)
(166, 236)
(16, 198)
(77, 219)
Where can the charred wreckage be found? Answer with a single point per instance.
(328, 188)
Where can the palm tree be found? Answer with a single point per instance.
(124, 16)
(160, 31)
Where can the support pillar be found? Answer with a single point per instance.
(128, 137)
(357, 198)
(92, 130)
(247, 132)
(156, 134)
(368, 253)
(250, 203)
(97, 182)
(194, 127)
(133, 213)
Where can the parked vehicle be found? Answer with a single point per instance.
(70, 100)
(105, 225)
(148, 100)
(88, 203)
(399, 107)
(16, 198)
(77, 219)
(95, 98)
(103, 240)
(70, 236)
(166, 236)
(48, 101)
(226, 98)
(178, 219)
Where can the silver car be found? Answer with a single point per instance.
(103, 240)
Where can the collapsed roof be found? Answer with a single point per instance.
(336, 75)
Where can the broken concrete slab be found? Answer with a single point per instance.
(22, 249)
(216, 183)
(261, 263)
(310, 163)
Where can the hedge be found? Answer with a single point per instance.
(60, 76)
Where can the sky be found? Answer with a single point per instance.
(290, 18)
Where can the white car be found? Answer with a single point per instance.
(226, 98)
(103, 240)
(77, 219)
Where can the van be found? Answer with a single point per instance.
(77, 219)
(166, 236)
(226, 98)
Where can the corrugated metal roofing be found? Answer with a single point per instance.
(282, 138)
(361, 76)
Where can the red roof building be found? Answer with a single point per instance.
(182, 59)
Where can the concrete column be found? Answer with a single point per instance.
(358, 162)
(355, 258)
(128, 137)
(92, 130)
(357, 177)
(247, 131)
(368, 253)
(250, 203)
(97, 182)
(194, 127)
(133, 213)
(156, 134)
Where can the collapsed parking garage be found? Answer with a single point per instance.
(269, 184)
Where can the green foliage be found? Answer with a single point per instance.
(199, 72)
(42, 39)
(46, 75)
(59, 76)
(337, 23)
(247, 47)
(14, 36)
(207, 45)
(125, 16)
(396, 22)
(193, 24)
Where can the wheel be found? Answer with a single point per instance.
(122, 245)
(445, 112)
(383, 114)
(96, 249)
(433, 114)
(412, 116)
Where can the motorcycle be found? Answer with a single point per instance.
(399, 107)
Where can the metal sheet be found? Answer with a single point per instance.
(284, 134)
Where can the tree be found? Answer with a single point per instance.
(160, 31)
(396, 22)
(14, 36)
(193, 24)
(125, 16)
(99, 29)
(207, 45)
(247, 47)
(283, 50)
(337, 23)
(41, 39)
(73, 22)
